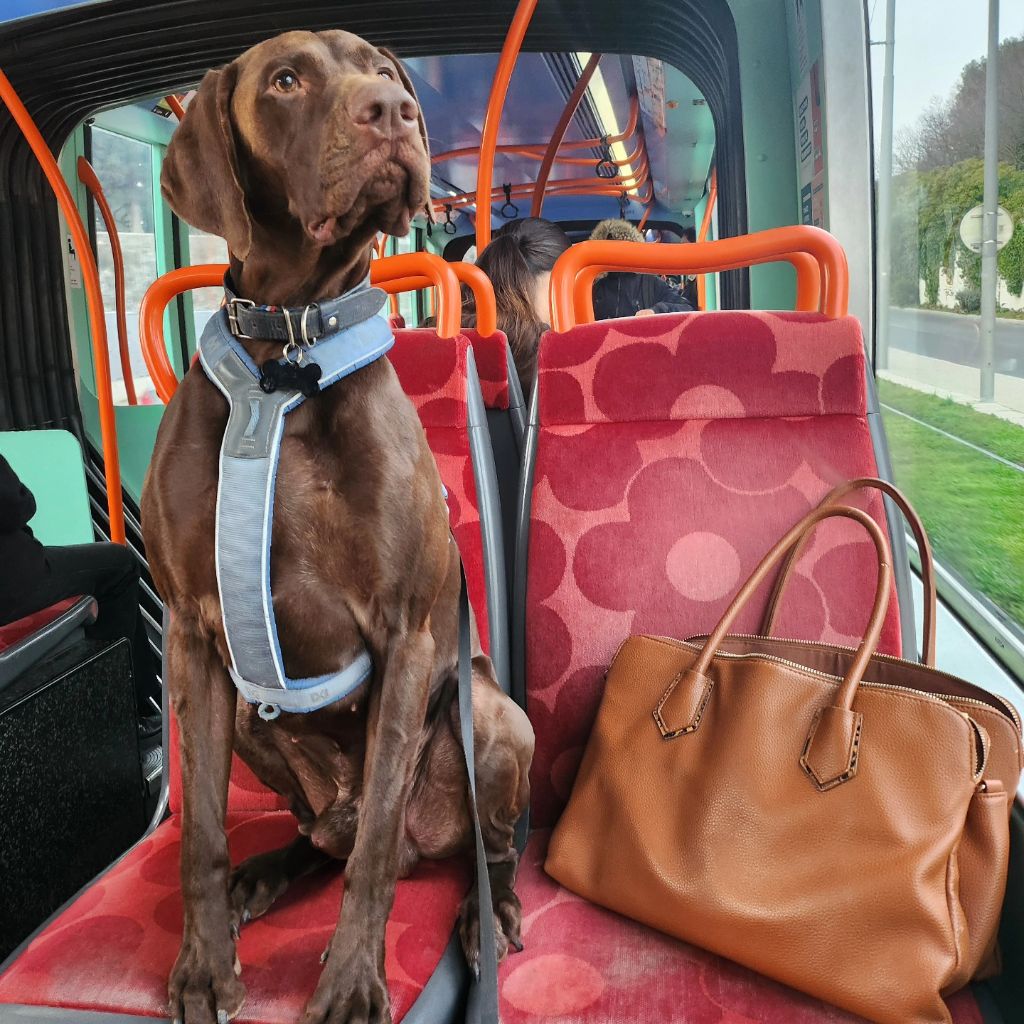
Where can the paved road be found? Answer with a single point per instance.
(955, 337)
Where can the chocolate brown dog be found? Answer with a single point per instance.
(297, 153)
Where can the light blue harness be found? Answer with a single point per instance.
(245, 495)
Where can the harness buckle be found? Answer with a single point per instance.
(230, 305)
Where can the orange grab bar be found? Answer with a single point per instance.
(383, 272)
(574, 273)
(477, 281)
(705, 227)
(87, 176)
(94, 299)
(495, 104)
(388, 273)
(535, 151)
(568, 113)
(808, 294)
(151, 319)
(176, 106)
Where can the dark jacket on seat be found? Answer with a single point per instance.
(22, 557)
(626, 294)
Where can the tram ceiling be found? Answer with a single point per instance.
(70, 63)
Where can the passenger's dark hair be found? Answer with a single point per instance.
(519, 252)
(690, 234)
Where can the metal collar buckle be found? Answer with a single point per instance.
(231, 306)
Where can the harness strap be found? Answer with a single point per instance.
(483, 1008)
(248, 464)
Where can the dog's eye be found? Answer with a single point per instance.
(386, 73)
(286, 81)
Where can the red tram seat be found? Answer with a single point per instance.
(112, 949)
(665, 456)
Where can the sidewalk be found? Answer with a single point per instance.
(960, 383)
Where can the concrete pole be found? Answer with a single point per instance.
(883, 226)
(989, 267)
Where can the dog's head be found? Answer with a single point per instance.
(313, 132)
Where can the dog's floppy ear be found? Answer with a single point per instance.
(200, 178)
(410, 89)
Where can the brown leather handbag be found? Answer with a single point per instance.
(819, 814)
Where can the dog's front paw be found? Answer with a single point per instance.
(204, 987)
(352, 990)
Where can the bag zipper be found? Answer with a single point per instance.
(892, 659)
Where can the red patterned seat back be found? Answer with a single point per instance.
(491, 358)
(433, 372)
(672, 452)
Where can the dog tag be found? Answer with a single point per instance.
(304, 378)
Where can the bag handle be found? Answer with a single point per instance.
(831, 749)
(923, 546)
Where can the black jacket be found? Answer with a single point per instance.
(22, 557)
(626, 294)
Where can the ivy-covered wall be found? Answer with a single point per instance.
(927, 209)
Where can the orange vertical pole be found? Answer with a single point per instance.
(91, 279)
(568, 113)
(702, 236)
(87, 176)
(176, 107)
(492, 117)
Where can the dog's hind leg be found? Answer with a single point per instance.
(258, 881)
(503, 738)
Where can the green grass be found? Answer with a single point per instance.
(972, 506)
(997, 435)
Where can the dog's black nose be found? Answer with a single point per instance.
(384, 108)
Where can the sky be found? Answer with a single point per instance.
(934, 40)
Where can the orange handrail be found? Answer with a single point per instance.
(389, 272)
(476, 280)
(151, 319)
(702, 236)
(808, 293)
(176, 106)
(568, 113)
(492, 117)
(87, 176)
(386, 273)
(535, 151)
(574, 273)
(94, 300)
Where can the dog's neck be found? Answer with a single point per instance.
(292, 270)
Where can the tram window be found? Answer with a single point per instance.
(205, 248)
(125, 168)
(956, 431)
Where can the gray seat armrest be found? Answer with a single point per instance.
(21, 656)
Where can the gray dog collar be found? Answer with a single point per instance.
(299, 324)
(245, 497)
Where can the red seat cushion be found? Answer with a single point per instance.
(673, 451)
(582, 964)
(113, 949)
(14, 632)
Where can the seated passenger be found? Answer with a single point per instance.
(33, 577)
(630, 294)
(518, 261)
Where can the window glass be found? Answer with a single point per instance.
(955, 434)
(124, 167)
(204, 248)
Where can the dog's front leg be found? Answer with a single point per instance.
(204, 987)
(353, 987)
